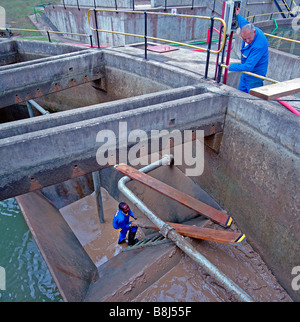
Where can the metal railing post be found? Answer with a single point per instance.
(96, 23)
(222, 61)
(209, 46)
(145, 36)
(98, 195)
(48, 33)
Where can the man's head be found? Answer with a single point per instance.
(124, 207)
(248, 33)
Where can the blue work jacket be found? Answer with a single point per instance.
(121, 220)
(254, 57)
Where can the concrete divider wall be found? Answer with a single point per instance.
(45, 76)
(256, 178)
(8, 53)
(102, 3)
(75, 21)
(68, 262)
(58, 147)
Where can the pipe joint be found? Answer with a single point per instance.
(165, 230)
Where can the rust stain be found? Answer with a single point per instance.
(18, 99)
(34, 185)
(212, 129)
(77, 172)
(79, 189)
(72, 83)
(88, 280)
(57, 87)
(38, 93)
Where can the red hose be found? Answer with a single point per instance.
(288, 106)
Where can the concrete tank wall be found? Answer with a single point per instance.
(256, 178)
(76, 21)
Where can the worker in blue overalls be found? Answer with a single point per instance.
(254, 55)
(121, 223)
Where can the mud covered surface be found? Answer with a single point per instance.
(188, 282)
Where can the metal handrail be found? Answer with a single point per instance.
(255, 75)
(283, 38)
(50, 31)
(160, 39)
(271, 14)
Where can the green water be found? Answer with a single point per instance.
(27, 276)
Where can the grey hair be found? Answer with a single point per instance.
(250, 27)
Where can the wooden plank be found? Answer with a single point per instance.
(218, 236)
(181, 197)
(224, 237)
(280, 89)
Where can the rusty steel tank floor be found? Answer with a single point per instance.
(163, 272)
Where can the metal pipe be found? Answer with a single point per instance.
(169, 232)
(29, 108)
(38, 107)
(97, 187)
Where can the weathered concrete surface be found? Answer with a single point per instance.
(52, 150)
(255, 177)
(69, 264)
(75, 21)
(117, 283)
(105, 3)
(59, 153)
(47, 75)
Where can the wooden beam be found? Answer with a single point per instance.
(218, 236)
(214, 235)
(280, 89)
(181, 197)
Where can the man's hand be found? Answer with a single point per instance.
(237, 11)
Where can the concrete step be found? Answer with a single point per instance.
(131, 272)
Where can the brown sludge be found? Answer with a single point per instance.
(187, 281)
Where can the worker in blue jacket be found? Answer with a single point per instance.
(121, 222)
(254, 55)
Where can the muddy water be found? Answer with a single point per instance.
(187, 281)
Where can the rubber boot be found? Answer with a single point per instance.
(131, 238)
